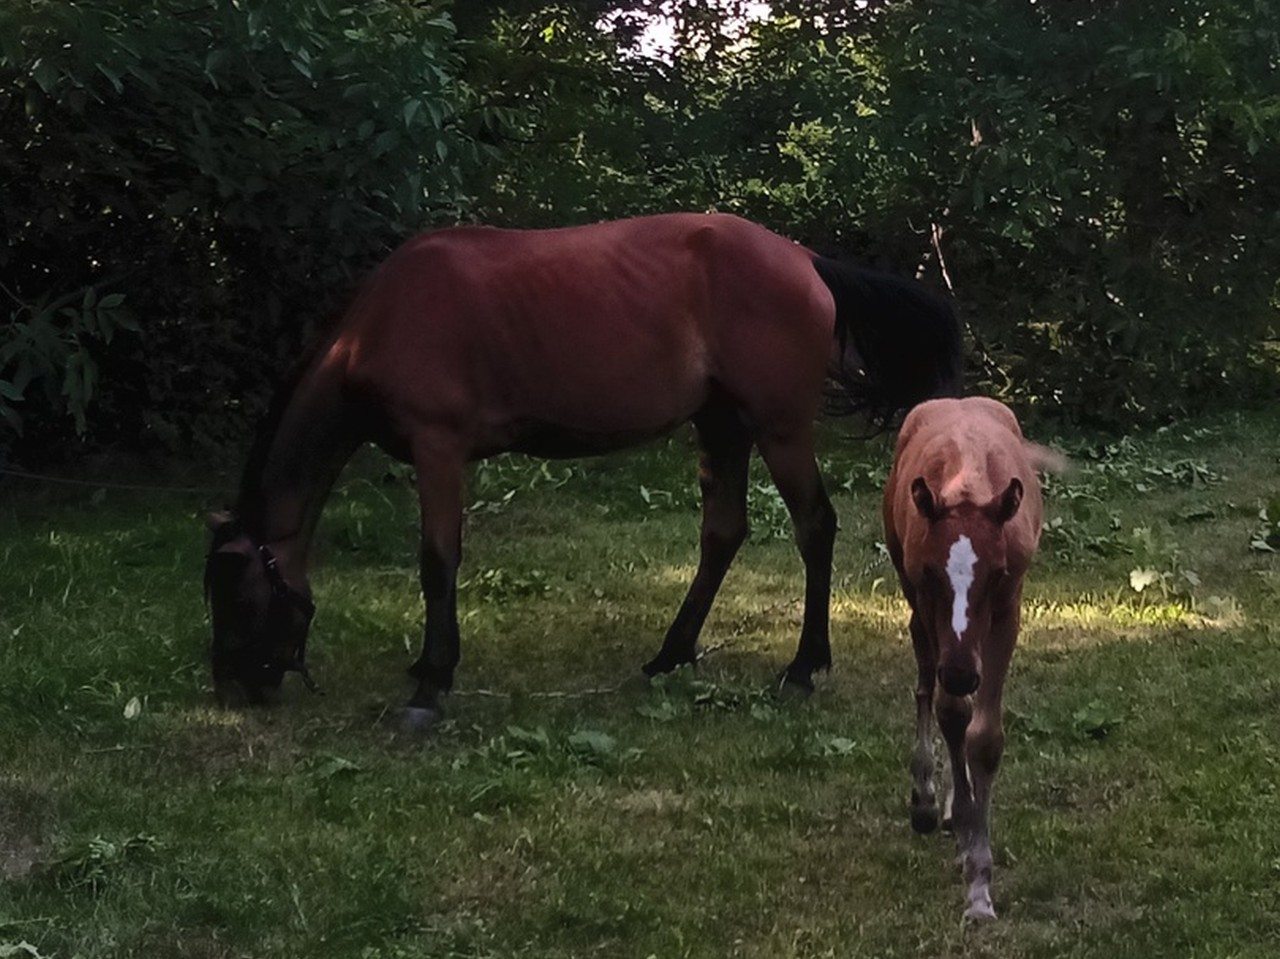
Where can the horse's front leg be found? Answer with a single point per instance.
(440, 485)
(794, 470)
(722, 475)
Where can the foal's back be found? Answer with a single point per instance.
(967, 450)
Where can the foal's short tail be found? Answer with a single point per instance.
(1044, 459)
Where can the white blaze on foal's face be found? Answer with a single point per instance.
(960, 563)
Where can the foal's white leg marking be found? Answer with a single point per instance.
(922, 760)
(960, 563)
(977, 858)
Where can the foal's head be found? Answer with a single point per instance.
(260, 622)
(962, 567)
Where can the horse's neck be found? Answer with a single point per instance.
(314, 439)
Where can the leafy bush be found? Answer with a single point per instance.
(204, 180)
(192, 186)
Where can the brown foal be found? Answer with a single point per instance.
(962, 516)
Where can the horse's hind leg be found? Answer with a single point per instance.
(795, 472)
(440, 480)
(722, 474)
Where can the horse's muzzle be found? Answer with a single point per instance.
(958, 680)
(245, 677)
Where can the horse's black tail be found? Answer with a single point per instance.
(899, 343)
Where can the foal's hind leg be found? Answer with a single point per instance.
(795, 472)
(440, 480)
(722, 474)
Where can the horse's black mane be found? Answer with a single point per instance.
(250, 503)
(907, 335)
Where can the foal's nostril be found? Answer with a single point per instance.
(958, 681)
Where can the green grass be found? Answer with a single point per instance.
(1135, 814)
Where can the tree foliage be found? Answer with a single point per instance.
(203, 179)
(193, 185)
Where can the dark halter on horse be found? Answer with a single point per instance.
(282, 592)
(283, 597)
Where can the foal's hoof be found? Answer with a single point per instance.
(924, 819)
(980, 911)
(419, 719)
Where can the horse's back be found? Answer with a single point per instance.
(615, 330)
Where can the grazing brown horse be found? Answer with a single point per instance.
(473, 341)
(962, 515)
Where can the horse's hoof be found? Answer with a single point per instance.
(656, 667)
(665, 664)
(924, 820)
(419, 719)
(237, 694)
(795, 685)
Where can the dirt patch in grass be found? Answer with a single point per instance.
(652, 802)
(499, 880)
(212, 742)
(24, 820)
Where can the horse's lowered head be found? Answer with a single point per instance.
(961, 570)
(260, 621)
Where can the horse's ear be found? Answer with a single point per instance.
(218, 519)
(924, 499)
(1005, 506)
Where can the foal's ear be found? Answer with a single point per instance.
(924, 499)
(1005, 506)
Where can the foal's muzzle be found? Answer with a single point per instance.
(958, 680)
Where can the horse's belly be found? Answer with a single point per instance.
(605, 394)
(569, 421)
(555, 441)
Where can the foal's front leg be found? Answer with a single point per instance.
(984, 747)
(924, 803)
(440, 481)
(954, 714)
